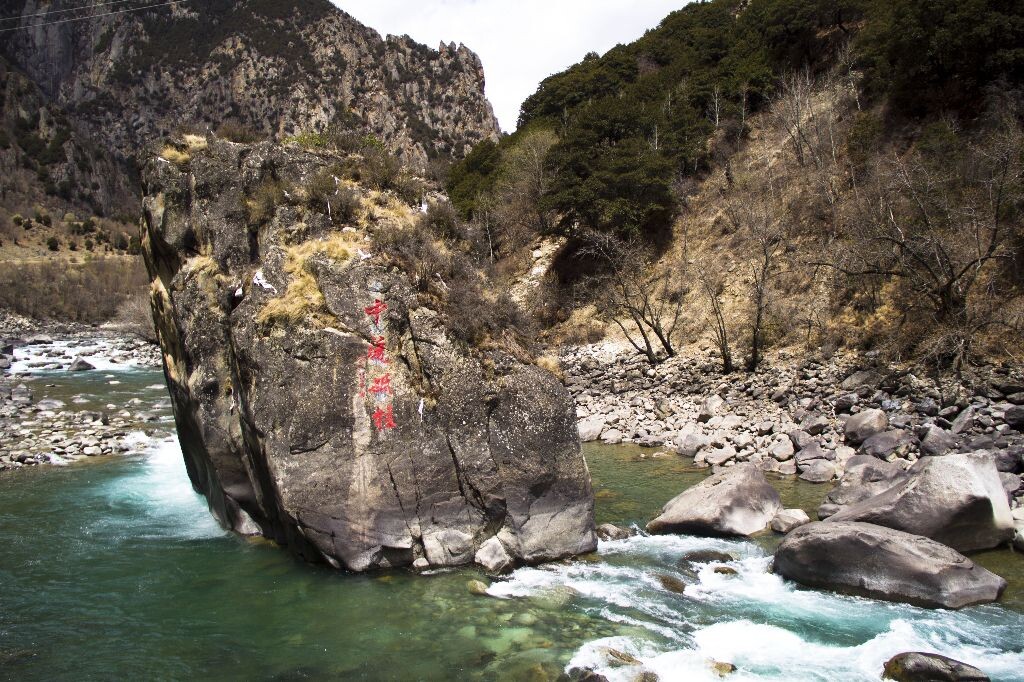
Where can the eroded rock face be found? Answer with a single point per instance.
(736, 501)
(871, 561)
(318, 400)
(956, 499)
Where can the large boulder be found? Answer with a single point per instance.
(957, 500)
(881, 563)
(864, 477)
(736, 501)
(320, 398)
(863, 425)
(915, 666)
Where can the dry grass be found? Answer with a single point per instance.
(303, 300)
(195, 143)
(552, 364)
(175, 155)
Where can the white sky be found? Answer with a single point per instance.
(521, 42)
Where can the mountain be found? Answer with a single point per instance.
(269, 67)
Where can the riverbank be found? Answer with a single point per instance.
(47, 418)
(797, 416)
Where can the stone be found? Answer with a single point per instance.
(1014, 417)
(80, 365)
(815, 426)
(477, 587)
(275, 410)
(721, 668)
(736, 501)
(725, 570)
(846, 402)
(782, 450)
(711, 407)
(705, 556)
(609, 531)
(867, 560)
(937, 441)
(818, 471)
(590, 429)
(964, 420)
(611, 436)
(719, 456)
(493, 556)
(691, 444)
(957, 500)
(928, 407)
(867, 377)
(927, 667)
(864, 477)
(882, 445)
(789, 519)
(863, 425)
(801, 439)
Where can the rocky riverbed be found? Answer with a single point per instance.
(44, 421)
(798, 416)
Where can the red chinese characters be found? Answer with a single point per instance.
(377, 352)
(383, 418)
(376, 310)
(381, 385)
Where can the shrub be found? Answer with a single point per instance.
(53, 243)
(260, 207)
(175, 155)
(17, 219)
(442, 221)
(325, 194)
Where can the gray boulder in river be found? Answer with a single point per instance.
(957, 500)
(915, 666)
(321, 402)
(872, 561)
(736, 501)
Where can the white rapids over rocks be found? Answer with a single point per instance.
(768, 628)
(103, 354)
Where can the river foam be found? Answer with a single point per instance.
(768, 628)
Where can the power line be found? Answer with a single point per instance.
(51, 12)
(92, 16)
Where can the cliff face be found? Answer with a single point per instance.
(319, 400)
(279, 67)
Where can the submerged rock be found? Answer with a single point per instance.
(872, 561)
(925, 667)
(957, 500)
(609, 531)
(736, 501)
(315, 394)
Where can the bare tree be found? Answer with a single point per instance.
(645, 301)
(755, 215)
(940, 226)
(713, 286)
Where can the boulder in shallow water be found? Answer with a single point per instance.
(789, 519)
(609, 531)
(925, 667)
(328, 401)
(493, 556)
(80, 365)
(736, 501)
(881, 563)
(957, 500)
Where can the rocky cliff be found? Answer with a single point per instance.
(320, 401)
(279, 68)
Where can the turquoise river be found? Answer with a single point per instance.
(114, 570)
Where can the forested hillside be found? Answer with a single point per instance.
(776, 171)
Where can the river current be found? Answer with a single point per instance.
(115, 570)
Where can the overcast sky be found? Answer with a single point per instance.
(521, 42)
